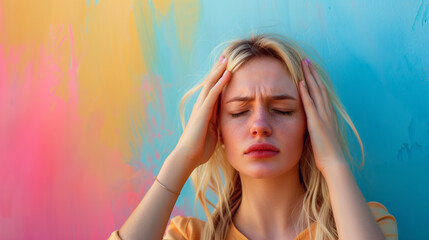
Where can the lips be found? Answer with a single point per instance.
(261, 147)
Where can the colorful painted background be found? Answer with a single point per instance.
(89, 94)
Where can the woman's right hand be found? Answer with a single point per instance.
(194, 148)
(200, 137)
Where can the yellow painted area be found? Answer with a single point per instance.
(163, 6)
(111, 56)
(186, 17)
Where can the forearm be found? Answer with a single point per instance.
(149, 220)
(353, 217)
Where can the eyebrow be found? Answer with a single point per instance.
(273, 97)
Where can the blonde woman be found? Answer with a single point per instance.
(267, 136)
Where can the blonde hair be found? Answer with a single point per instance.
(316, 204)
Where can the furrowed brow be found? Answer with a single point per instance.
(273, 97)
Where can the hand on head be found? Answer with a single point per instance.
(200, 136)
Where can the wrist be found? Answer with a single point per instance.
(174, 172)
(334, 167)
(181, 161)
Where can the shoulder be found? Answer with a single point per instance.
(385, 220)
(184, 228)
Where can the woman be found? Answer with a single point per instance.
(264, 136)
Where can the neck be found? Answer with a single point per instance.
(270, 206)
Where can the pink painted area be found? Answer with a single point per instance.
(33, 149)
(150, 87)
(59, 179)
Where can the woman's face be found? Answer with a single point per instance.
(261, 105)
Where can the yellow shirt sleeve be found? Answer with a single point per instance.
(386, 221)
(188, 228)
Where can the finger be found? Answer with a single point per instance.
(219, 62)
(323, 91)
(309, 107)
(211, 79)
(212, 96)
(216, 72)
(328, 114)
(313, 88)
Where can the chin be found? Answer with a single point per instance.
(262, 172)
(259, 170)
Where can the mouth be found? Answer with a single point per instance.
(261, 147)
(262, 153)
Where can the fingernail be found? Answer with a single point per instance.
(307, 62)
(303, 83)
(221, 58)
(224, 60)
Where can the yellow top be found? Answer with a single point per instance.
(191, 228)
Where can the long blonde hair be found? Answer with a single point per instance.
(223, 180)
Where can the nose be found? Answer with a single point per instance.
(260, 125)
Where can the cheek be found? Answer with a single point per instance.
(232, 133)
(229, 131)
(292, 133)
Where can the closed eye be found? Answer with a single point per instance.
(282, 112)
(235, 115)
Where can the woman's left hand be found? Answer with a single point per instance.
(321, 119)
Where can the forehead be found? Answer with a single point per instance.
(261, 75)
